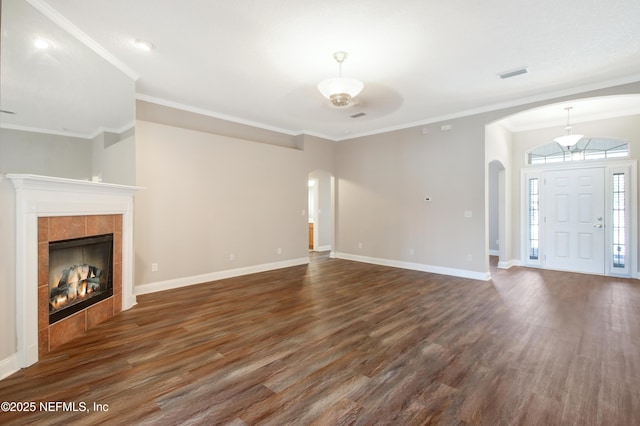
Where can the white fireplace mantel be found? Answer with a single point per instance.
(44, 196)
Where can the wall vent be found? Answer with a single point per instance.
(514, 73)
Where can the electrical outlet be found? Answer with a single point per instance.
(232, 257)
(154, 267)
(359, 245)
(469, 258)
(279, 250)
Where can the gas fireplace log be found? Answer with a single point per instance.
(64, 279)
(57, 291)
(72, 277)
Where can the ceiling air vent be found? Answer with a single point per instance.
(358, 115)
(513, 73)
(6, 112)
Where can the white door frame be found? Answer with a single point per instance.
(629, 167)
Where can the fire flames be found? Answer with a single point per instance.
(74, 285)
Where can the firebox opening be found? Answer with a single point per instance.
(80, 274)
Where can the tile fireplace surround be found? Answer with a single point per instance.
(57, 228)
(46, 206)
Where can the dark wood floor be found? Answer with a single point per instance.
(340, 342)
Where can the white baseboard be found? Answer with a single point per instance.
(494, 252)
(462, 273)
(508, 264)
(8, 366)
(214, 276)
(323, 248)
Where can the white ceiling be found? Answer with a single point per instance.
(66, 89)
(259, 62)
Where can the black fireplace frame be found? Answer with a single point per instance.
(108, 292)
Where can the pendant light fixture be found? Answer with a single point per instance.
(340, 90)
(568, 139)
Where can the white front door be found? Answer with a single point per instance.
(574, 215)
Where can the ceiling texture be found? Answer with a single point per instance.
(421, 61)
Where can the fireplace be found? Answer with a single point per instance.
(85, 268)
(50, 209)
(80, 274)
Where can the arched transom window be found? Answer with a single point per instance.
(588, 148)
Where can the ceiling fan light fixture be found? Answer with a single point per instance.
(340, 90)
(568, 139)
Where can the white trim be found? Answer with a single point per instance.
(44, 196)
(323, 248)
(525, 175)
(462, 273)
(609, 166)
(76, 32)
(215, 276)
(494, 252)
(119, 131)
(29, 129)
(213, 114)
(508, 264)
(97, 132)
(8, 366)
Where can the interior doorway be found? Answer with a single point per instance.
(497, 213)
(313, 213)
(321, 211)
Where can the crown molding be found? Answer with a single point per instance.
(56, 17)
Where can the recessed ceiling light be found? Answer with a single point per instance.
(143, 45)
(41, 43)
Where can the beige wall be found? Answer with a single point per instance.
(114, 158)
(44, 154)
(8, 337)
(383, 181)
(68, 157)
(209, 196)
